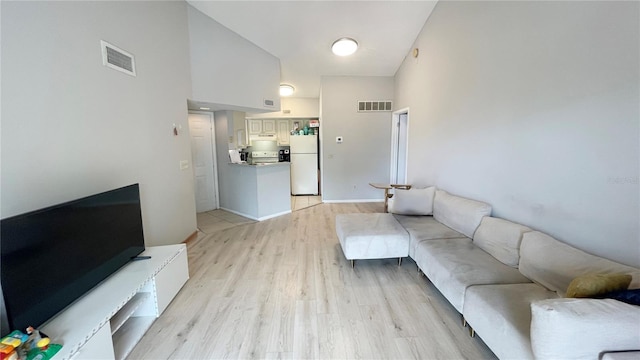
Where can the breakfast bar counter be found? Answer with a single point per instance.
(259, 191)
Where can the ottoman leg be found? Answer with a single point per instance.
(399, 261)
(353, 264)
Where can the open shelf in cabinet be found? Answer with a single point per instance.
(108, 321)
(128, 335)
(127, 311)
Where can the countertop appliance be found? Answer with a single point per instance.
(285, 155)
(304, 164)
(264, 157)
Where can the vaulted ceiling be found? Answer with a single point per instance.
(300, 34)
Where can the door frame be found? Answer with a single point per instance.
(213, 153)
(393, 168)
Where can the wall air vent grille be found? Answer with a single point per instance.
(375, 105)
(117, 59)
(269, 103)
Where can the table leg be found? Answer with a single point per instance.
(386, 199)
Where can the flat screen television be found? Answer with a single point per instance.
(51, 257)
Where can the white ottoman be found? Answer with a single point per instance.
(371, 236)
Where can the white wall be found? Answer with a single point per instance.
(363, 157)
(295, 107)
(228, 70)
(72, 127)
(533, 107)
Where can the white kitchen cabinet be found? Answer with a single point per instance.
(254, 126)
(269, 126)
(260, 126)
(284, 131)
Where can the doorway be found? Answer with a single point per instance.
(399, 146)
(203, 158)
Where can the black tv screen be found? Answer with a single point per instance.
(53, 256)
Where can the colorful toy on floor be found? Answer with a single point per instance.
(33, 345)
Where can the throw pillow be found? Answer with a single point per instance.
(591, 285)
(627, 296)
(413, 201)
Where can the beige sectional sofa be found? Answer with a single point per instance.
(509, 281)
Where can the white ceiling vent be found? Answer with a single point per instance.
(374, 105)
(117, 59)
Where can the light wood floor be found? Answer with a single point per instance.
(299, 202)
(282, 289)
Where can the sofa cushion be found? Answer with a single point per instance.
(554, 264)
(501, 315)
(500, 238)
(452, 265)
(422, 228)
(590, 285)
(458, 213)
(413, 201)
(583, 328)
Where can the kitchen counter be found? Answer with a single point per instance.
(263, 164)
(260, 191)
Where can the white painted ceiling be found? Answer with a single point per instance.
(300, 34)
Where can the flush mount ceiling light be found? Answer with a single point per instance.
(344, 46)
(286, 90)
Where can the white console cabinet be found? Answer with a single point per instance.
(109, 320)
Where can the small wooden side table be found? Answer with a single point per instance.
(386, 188)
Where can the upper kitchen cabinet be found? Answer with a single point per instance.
(257, 126)
(284, 131)
(254, 126)
(229, 71)
(269, 126)
(293, 108)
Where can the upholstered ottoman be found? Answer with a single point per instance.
(371, 236)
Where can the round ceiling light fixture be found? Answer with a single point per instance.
(344, 46)
(286, 90)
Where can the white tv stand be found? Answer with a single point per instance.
(108, 321)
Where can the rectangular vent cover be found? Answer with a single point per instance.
(117, 59)
(269, 103)
(374, 105)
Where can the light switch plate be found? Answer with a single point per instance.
(184, 164)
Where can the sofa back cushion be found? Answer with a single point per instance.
(460, 214)
(413, 201)
(554, 264)
(500, 238)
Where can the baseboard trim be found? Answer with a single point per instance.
(274, 215)
(239, 213)
(191, 237)
(255, 218)
(353, 201)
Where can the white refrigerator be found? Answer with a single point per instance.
(304, 164)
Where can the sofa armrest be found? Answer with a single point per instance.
(583, 328)
(626, 355)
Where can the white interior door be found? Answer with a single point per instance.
(202, 158)
(399, 147)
